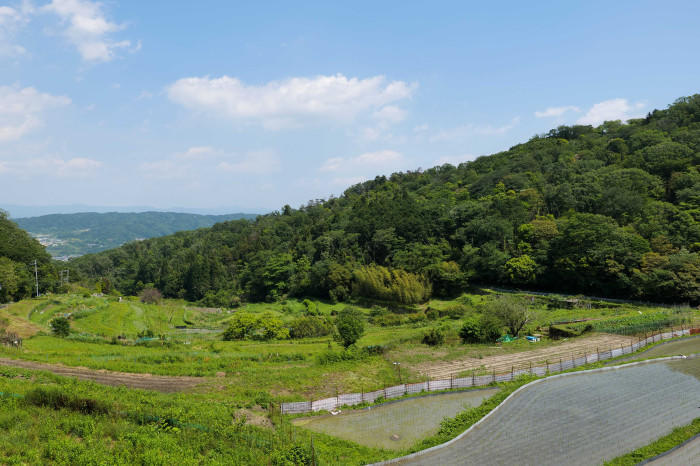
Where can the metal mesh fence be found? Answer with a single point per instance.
(498, 374)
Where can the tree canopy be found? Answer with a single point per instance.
(610, 210)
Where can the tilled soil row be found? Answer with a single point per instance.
(538, 357)
(165, 384)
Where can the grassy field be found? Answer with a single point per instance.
(239, 378)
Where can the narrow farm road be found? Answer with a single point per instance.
(165, 384)
(579, 419)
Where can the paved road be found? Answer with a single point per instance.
(584, 418)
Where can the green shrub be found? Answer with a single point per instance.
(295, 455)
(484, 329)
(308, 327)
(470, 331)
(453, 312)
(434, 337)
(255, 327)
(55, 399)
(432, 314)
(60, 326)
(310, 307)
(350, 325)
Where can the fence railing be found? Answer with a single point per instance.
(474, 380)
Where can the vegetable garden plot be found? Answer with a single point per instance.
(584, 418)
(407, 420)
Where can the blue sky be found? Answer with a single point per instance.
(253, 105)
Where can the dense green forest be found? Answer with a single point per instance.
(610, 211)
(89, 232)
(18, 251)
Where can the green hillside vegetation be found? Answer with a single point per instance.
(611, 211)
(89, 232)
(18, 251)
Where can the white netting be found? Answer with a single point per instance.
(472, 381)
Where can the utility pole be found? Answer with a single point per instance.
(65, 275)
(36, 278)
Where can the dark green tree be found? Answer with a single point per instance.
(350, 326)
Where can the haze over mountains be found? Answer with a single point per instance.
(69, 235)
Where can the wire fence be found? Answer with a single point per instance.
(479, 378)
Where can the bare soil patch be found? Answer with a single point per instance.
(506, 362)
(165, 384)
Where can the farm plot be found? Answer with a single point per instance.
(584, 418)
(503, 363)
(396, 425)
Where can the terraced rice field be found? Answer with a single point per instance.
(583, 418)
(407, 421)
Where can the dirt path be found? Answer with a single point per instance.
(506, 362)
(159, 383)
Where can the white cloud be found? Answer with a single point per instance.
(254, 163)
(610, 110)
(197, 153)
(77, 167)
(454, 159)
(21, 110)
(165, 169)
(390, 114)
(207, 160)
(88, 29)
(468, 130)
(557, 111)
(290, 102)
(11, 20)
(363, 163)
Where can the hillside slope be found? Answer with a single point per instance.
(89, 232)
(611, 210)
(18, 251)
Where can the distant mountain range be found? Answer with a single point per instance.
(22, 211)
(76, 234)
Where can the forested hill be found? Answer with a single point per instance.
(83, 233)
(18, 251)
(611, 211)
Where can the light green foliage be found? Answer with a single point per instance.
(309, 327)
(521, 270)
(394, 285)
(512, 312)
(255, 327)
